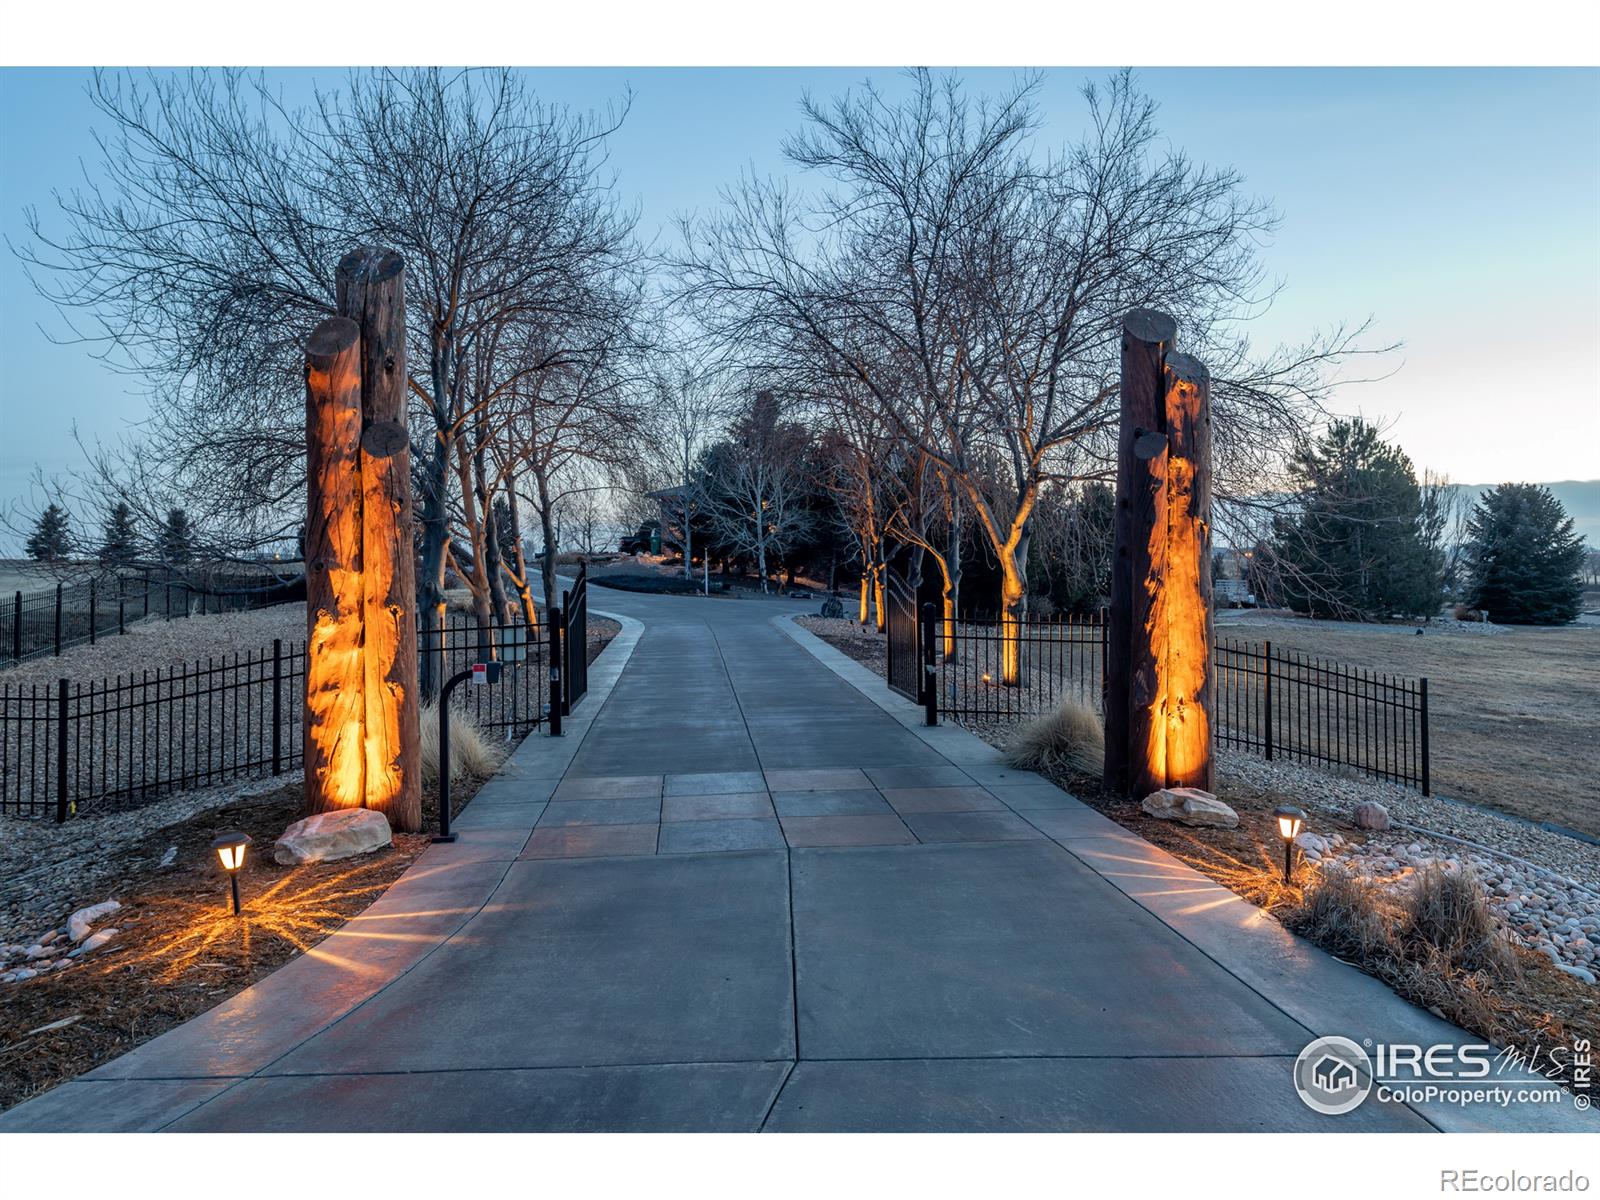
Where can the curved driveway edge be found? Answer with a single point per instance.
(169, 1076)
(1303, 982)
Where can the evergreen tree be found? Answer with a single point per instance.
(177, 538)
(1365, 540)
(1524, 558)
(51, 539)
(120, 543)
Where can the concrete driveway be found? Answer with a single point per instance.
(747, 891)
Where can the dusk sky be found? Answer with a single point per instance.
(1458, 208)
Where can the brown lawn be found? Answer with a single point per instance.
(1514, 714)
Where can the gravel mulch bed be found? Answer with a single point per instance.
(176, 949)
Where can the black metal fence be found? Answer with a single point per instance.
(1286, 705)
(1265, 700)
(121, 741)
(72, 614)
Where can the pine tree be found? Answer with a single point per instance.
(177, 538)
(1365, 540)
(1524, 558)
(51, 539)
(120, 543)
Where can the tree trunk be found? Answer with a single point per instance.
(1013, 604)
(1147, 337)
(866, 596)
(952, 579)
(547, 554)
(530, 611)
(688, 539)
(370, 288)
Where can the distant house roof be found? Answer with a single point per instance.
(672, 493)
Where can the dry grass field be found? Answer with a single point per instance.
(1515, 712)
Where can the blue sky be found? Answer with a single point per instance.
(1459, 208)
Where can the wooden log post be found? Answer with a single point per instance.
(362, 734)
(370, 288)
(1184, 645)
(1147, 337)
(335, 717)
(1159, 638)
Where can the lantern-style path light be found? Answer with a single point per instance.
(230, 848)
(1290, 821)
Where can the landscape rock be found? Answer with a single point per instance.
(1190, 806)
(81, 923)
(1576, 972)
(1312, 844)
(330, 836)
(93, 942)
(1369, 814)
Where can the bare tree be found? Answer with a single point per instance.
(688, 406)
(974, 289)
(205, 250)
(757, 486)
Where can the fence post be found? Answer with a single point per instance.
(1269, 701)
(16, 628)
(277, 706)
(58, 620)
(93, 613)
(566, 651)
(554, 620)
(930, 670)
(1426, 785)
(61, 751)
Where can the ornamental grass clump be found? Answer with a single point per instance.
(473, 753)
(1070, 738)
(1446, 911)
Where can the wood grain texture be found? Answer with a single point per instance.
(370, 285)
(334, 716)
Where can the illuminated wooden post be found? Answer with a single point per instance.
(1159, 668)
(335, 717)
(362, 738)
(1146, 338)
(370, 286)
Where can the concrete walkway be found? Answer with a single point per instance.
(747, 891)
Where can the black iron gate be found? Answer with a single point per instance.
(575, 640)
(903, 624)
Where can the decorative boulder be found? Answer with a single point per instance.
(1369, 814)
(1190, 806)
(329, 836)
(81, 923)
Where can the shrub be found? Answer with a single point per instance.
(1344, 916)
(473, 754)
(1071, 737)
(1448, 911)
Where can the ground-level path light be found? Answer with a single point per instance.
(230, 848)
(1290, 821)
